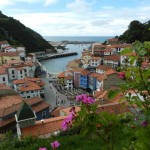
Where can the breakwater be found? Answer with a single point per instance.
(51, 56)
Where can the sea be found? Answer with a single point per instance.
(58, 65)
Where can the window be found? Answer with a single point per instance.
(32, 91)
(4, 79)
(13, 71)
(43, 114)
(20, 71)
(25, 70)
(28, 96)
(13, 76)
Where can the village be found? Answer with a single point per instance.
(23, 90)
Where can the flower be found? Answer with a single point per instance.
(42, 148)
(55, 144)
(144, 123)
(121, 75)
(84, 99)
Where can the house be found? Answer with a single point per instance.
(101, 69)
(3, 75)
(74, 64)
(5, 57)
(100, 82)
(28, 126)
(8, 49)
(76, 76)
(98, 50)
(29, 87)
(4, 44)
(95, 61)
(112, 61)
(92, 81)
(86, 57)
(69, 82)
(112, 80)
(108, 52)
(84, 79)
(125, 59)
(10, 103)
(61, 78)
(18, 69)
(22, 52)
(112, 41)
(119, 47)
(31, 57)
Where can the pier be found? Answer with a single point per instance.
(51, 56)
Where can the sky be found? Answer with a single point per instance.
(77, 17)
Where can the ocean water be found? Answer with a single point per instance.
(58, 65)
(77, 38)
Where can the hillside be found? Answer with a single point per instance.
(17, 33)
(136, 31)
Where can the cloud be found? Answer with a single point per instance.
(49, 2)
(79, 6)
(72, 22)
(5, 2)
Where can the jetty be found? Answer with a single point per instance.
(51, 56)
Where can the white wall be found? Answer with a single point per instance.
(6, 79)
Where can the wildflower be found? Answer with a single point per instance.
(55, 144)
(42, 148)
(144, 123)
(88, 100)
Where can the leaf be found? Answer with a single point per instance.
(126, 51)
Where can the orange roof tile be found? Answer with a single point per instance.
(3, 70)
(121, 45)
(112, 57)
(9, 54)
(115, 108)
(56, 112)
(69, 77)
(110, 71)
(85, 72)
(95, 58)
(101, 77)
(61, 75)
(67, 110)
(94, 75)
(78, 70)
(29, 86)
(102, 67)
(41, 128)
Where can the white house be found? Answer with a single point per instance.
(3, 75)
(4, 44)
(21, 51)
(125, 59)
(18, 69)
(29, 87)
(95, 61)
(101, 69)
(112, 60)
(100, 82)
(69, 82)
(9, 48)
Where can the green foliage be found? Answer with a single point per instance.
(113, 93)
(18, 34)
(136, 31)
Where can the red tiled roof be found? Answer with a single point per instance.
(110, 71)
(9, 54)
(29, 86)
(3, 70)
(69, 77)
(102, 67)
(94, 75)
(56, 112)
(121, 45)
(101, 77)
(112, 57)
(78, 70)
(61, 75)
(115, 108)
(85, 72)
(41, 128)
(113, 40)
(95, 58)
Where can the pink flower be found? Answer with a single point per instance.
(88, 100)
(42, 148)
(79, 98)
(55, 144)
(121, 75)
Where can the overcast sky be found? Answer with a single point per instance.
(77, 17)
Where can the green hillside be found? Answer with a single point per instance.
(17, 33)
(136, 31)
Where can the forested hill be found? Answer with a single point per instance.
(136, 31)
(17, 33)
